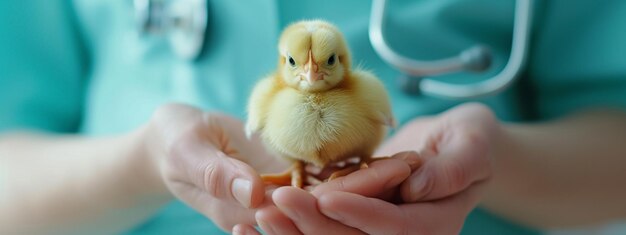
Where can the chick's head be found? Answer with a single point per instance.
(314, 56)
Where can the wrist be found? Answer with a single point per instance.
(145, 166)
(506, 182)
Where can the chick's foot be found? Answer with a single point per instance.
(293, 176)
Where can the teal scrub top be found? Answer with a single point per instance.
(81, 66)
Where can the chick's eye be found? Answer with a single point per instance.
(331, 60)
(292, 62)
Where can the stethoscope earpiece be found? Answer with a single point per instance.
(476, 58)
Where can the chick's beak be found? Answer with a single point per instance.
(311, 70)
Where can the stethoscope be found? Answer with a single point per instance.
(184, 23)
(474, 59)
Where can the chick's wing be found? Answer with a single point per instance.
(371, 90)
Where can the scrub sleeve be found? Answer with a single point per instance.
(578, 59)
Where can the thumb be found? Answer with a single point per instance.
(460, 161)
(230, 179)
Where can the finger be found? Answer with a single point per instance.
(375, 216)
(461, 159)
(191, 160)
(444, 216)
(411, 136)
(229, 179)
(373, 181)
(412, 158)
(246, 186)
(223, 214)
(370, 215)
(245, 229)
(228, 214)
(301, 207)
(274, 222)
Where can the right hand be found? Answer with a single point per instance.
(205, 160)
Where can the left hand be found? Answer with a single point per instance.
(205, 160)
(436, 198)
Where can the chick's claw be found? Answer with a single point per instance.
(307, 176)
(345, 171)
(302, 175)
(368, 161)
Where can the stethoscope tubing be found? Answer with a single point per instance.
(476, 58)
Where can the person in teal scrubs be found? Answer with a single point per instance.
(88, 144)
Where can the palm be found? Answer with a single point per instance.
(203, 154)
(232, 141)
(454, 148)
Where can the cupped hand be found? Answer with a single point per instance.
(205, 160)
(453, 151)
(455, 148)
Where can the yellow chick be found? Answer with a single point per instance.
(315, 108)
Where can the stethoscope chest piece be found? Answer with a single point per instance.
(182, 22)
(409, 84)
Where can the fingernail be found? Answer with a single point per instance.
(241, 190)
(411, 158)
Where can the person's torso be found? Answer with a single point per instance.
(132, 75)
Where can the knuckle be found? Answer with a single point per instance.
(176, 132)
(341, 184)
(164, 112)
(213, 176)
(473, 136)
(179, 146)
